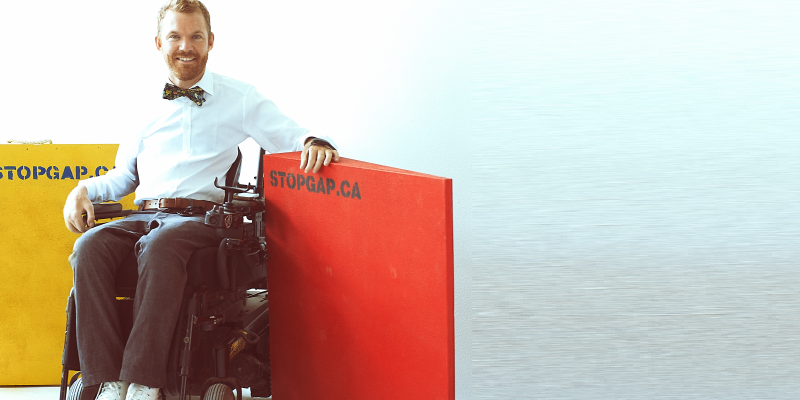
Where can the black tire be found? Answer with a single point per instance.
(77, 391)
(219, 391)
(74, 378)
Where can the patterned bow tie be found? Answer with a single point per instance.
(194, 94)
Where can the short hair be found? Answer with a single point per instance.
(184, 6)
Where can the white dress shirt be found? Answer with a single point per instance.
(185, 146)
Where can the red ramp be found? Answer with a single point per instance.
(360, 282)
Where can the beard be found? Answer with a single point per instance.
(185, 72)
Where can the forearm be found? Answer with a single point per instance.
(112, 186)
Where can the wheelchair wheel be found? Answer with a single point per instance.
(218, 391)
(77, 391)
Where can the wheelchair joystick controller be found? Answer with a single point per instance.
(227, 216)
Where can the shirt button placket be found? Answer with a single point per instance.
(187, 142)
(187, 127)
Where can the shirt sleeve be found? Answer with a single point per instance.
(119, 182)
(272, 130)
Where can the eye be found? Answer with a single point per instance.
(173, 36)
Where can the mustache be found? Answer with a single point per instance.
(186, 55)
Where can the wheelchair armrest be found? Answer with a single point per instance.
(109, 210)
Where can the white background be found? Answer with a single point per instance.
(387, 80)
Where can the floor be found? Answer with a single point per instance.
(52, 392)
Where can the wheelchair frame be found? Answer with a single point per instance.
(222, 334)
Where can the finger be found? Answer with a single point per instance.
(328, 157)
(69, 219)
(70, 226)
(74, 226)
(90, 215)
(81, 227)
(320, 160)
(303, 157)
(312, 159)
(81, 223)
(336, 154)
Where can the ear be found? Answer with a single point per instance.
(158, 43)
(211, 40)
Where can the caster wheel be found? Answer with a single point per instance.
(219, 391)
(77, 391)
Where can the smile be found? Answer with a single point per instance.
(185, 59)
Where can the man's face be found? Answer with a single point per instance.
(185, 42)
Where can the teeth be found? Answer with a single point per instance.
(185, 59)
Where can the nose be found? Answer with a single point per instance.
(186, 44)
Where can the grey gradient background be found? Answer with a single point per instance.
(635, 200)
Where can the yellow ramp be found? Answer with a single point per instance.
(36, 277)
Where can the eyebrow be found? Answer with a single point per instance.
(200, 31)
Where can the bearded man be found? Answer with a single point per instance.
(193, 138)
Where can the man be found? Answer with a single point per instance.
(191, 140)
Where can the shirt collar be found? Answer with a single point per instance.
(206, 82)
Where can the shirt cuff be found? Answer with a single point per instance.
(322, 137)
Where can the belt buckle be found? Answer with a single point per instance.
(163, 202)
(191, 210)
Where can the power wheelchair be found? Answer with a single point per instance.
(221, 339)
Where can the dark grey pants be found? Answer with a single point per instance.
(162, 244)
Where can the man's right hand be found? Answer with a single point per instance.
(78, 205)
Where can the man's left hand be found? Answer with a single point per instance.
(316, 155)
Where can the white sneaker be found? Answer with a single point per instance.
(141, 392)
(112, 391)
